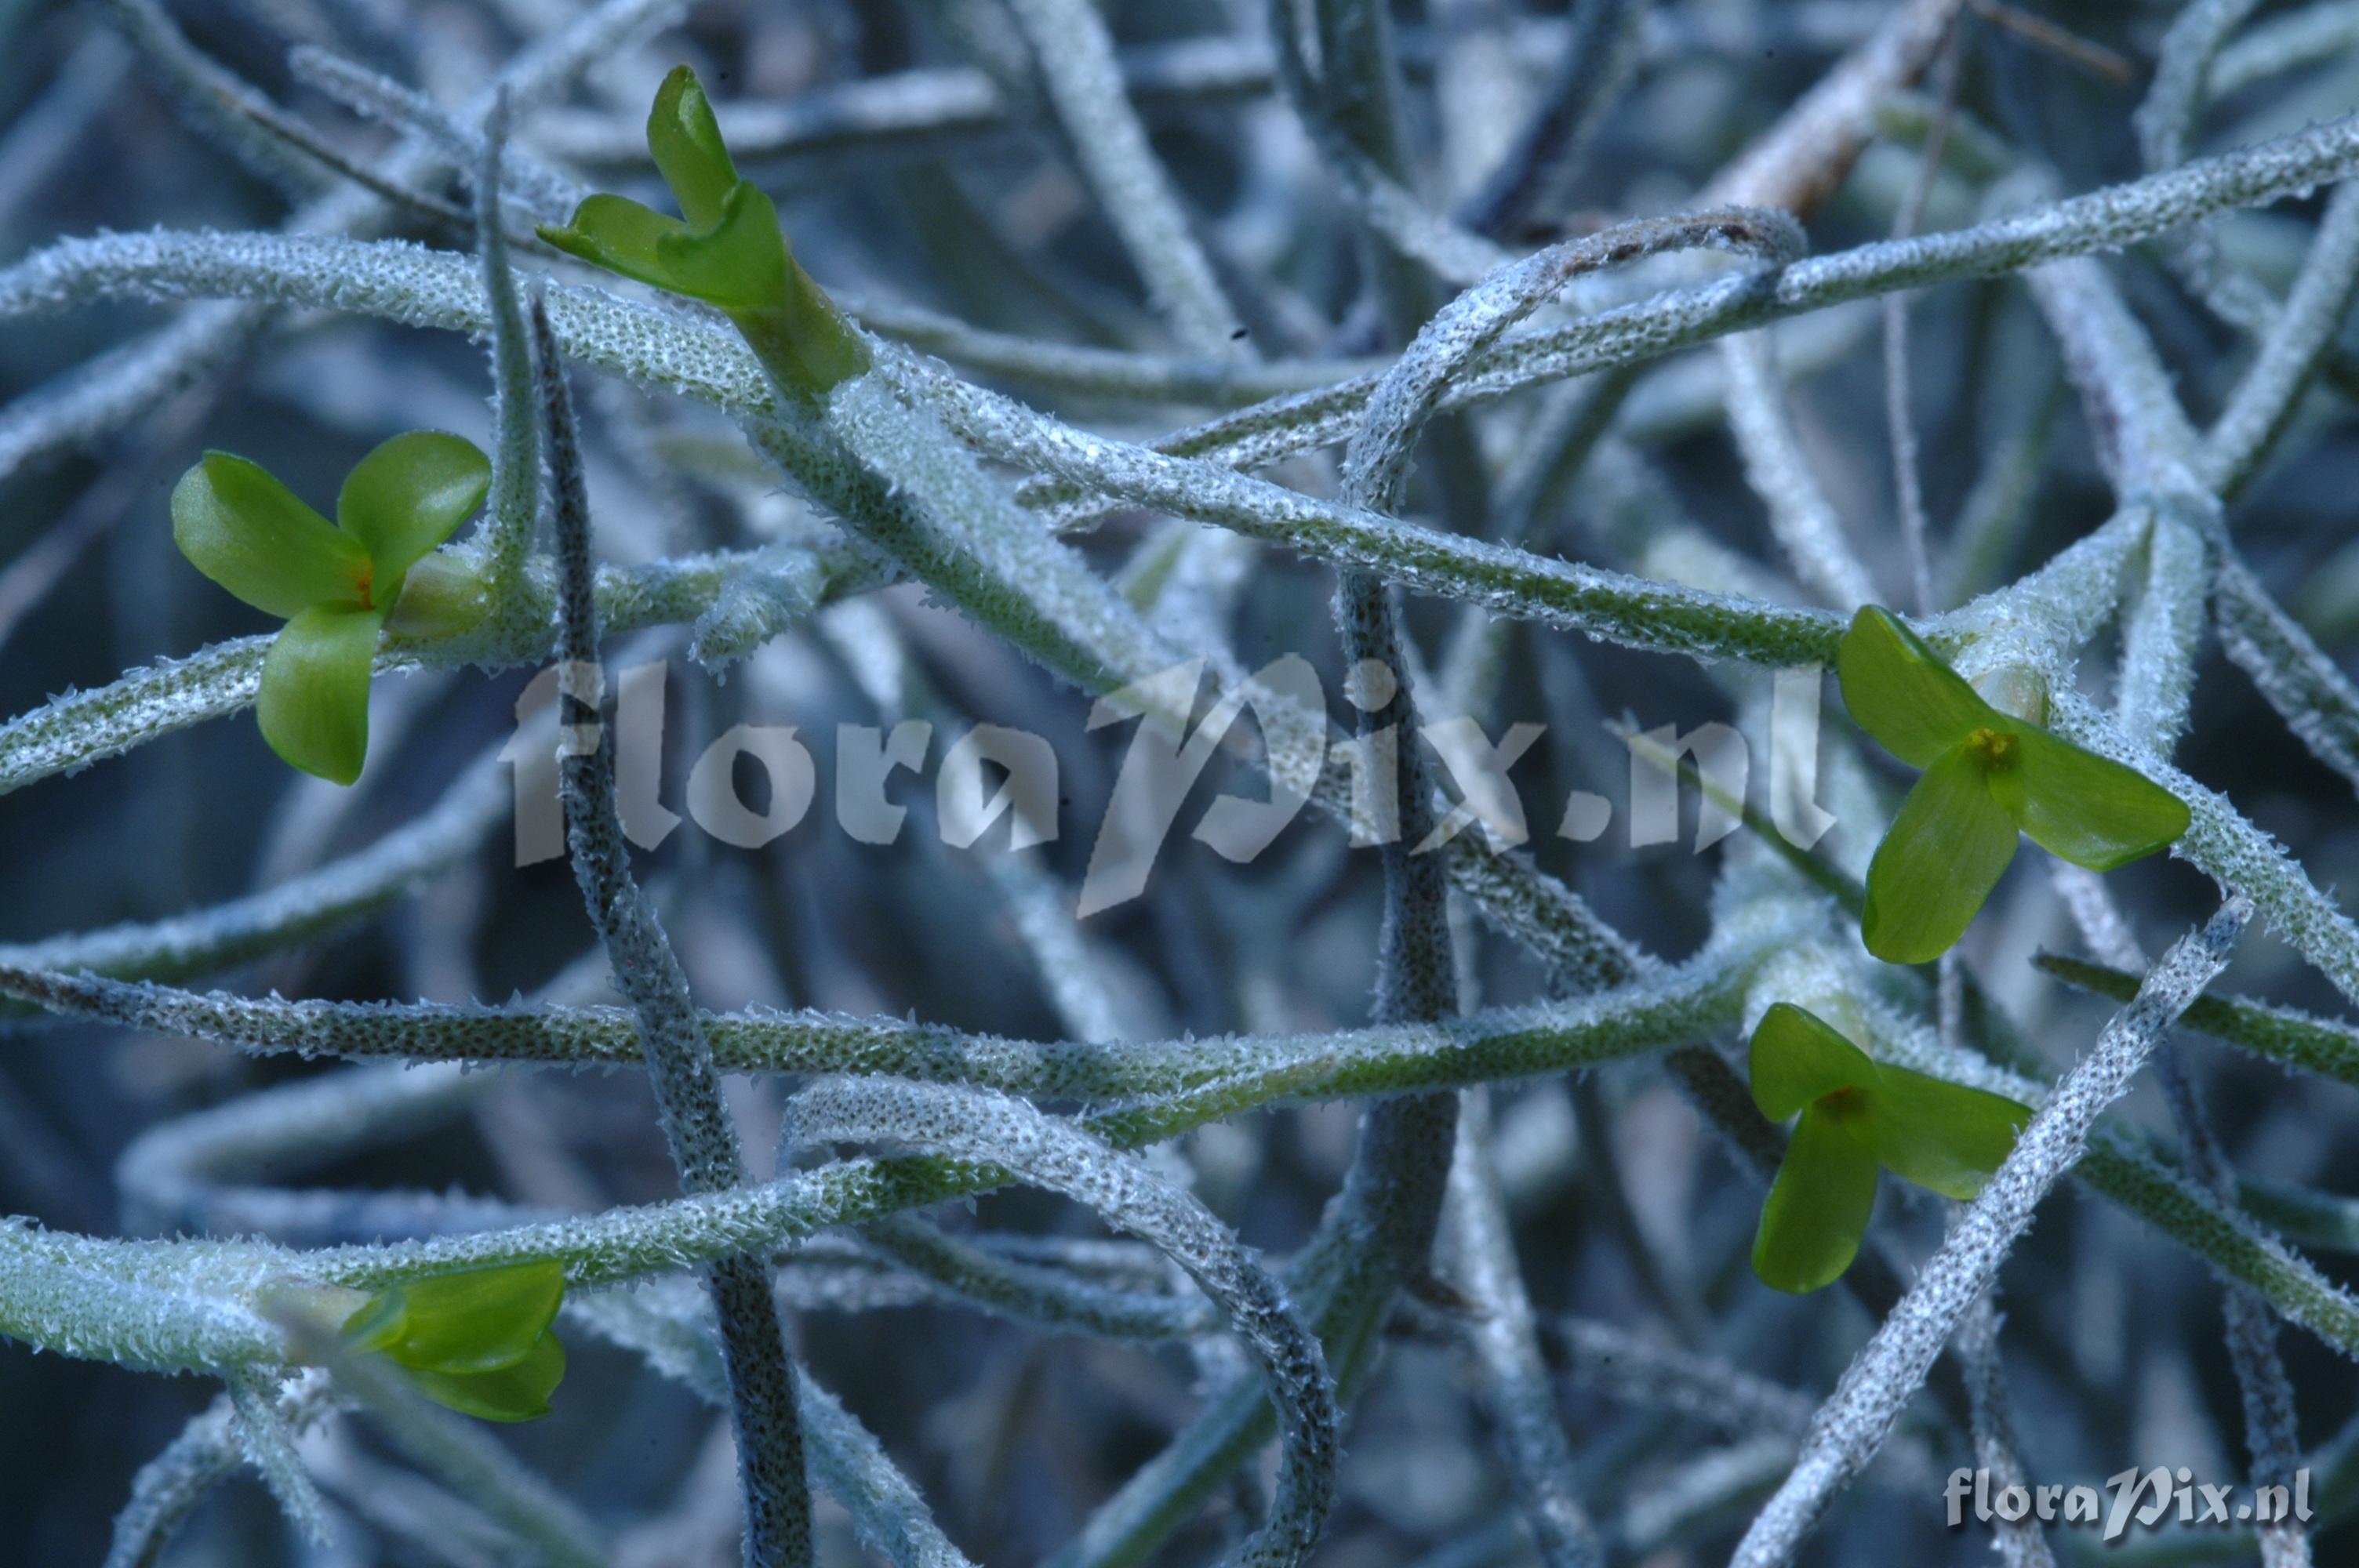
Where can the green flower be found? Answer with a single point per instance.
(1987, 774)
(729, 252)
(338, 584)
(478, 1341)
(1857, 1114)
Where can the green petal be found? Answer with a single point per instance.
(409, 496)
(686, 142)
(739, 264)
(1796, 1056)
(1939, 1135)
(515, 1392)
(474, 1320)
(806, 343)
(378, 1321)
(1938, 861)
(1901, 692)
(2081, 807)
(617, 233)
(315, 681)
(248, 533)
(440, 597)
(1818, 1207)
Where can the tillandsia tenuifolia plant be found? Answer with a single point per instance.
(1988, 776)
(729, 252)
(1131, 277)
(477, 1340)
(337, 585)
(1857, 1115)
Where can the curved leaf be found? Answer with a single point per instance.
(1902, 692)
(250, 533)
(1938, 862)
(313, 705)
(407, 496)
(1818, 1207)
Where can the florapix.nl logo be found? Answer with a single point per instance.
(2146, 1498)
(1308, 752)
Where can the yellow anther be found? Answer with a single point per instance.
(1995, 745)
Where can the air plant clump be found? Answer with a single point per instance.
(1254, 459)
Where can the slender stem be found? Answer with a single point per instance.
(679, 1061)
(1482, 1263)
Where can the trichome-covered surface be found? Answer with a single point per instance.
(1281, 1196)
